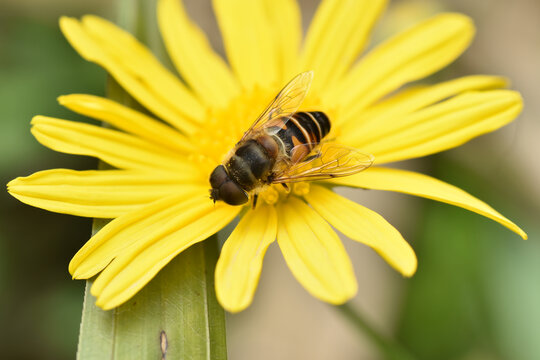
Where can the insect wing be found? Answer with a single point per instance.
(328, 161)
(284, 104)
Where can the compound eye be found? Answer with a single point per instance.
(218, 177)
(233, 194)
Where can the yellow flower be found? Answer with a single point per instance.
(158, 193)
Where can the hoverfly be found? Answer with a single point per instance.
(283, 146)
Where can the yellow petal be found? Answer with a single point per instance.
(248, 39)
(135, 69)
(127, 119)
(338, 33)
(285, 20)
(384, 114)
(240, 263)
(127, 230)
(135, 266)
(114, 147)
(442, 126)
(199, 65)
(314, 253)
(413, 183)
(363, 225)
(93, 193)
(411, 55)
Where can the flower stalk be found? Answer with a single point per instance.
(176, 316)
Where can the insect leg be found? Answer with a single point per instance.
(313, 157)
(255, 197)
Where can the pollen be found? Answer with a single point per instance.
(223, 127)
(274, 193)
(270, 195)
(301, 189)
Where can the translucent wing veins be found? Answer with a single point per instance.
(329, 160)
(284, 104)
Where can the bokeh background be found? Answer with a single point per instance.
(476, 294)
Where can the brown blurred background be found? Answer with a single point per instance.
(477, 289)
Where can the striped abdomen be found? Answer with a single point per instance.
(303, 128)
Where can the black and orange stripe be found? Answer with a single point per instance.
(307, 128)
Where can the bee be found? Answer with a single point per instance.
(283, 146)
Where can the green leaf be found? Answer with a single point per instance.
(176, 315)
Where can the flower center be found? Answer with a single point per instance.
(224, 127)
(276, 192)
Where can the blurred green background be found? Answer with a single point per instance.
(476, 294)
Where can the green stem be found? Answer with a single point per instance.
(176, 315)
(389, 348)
